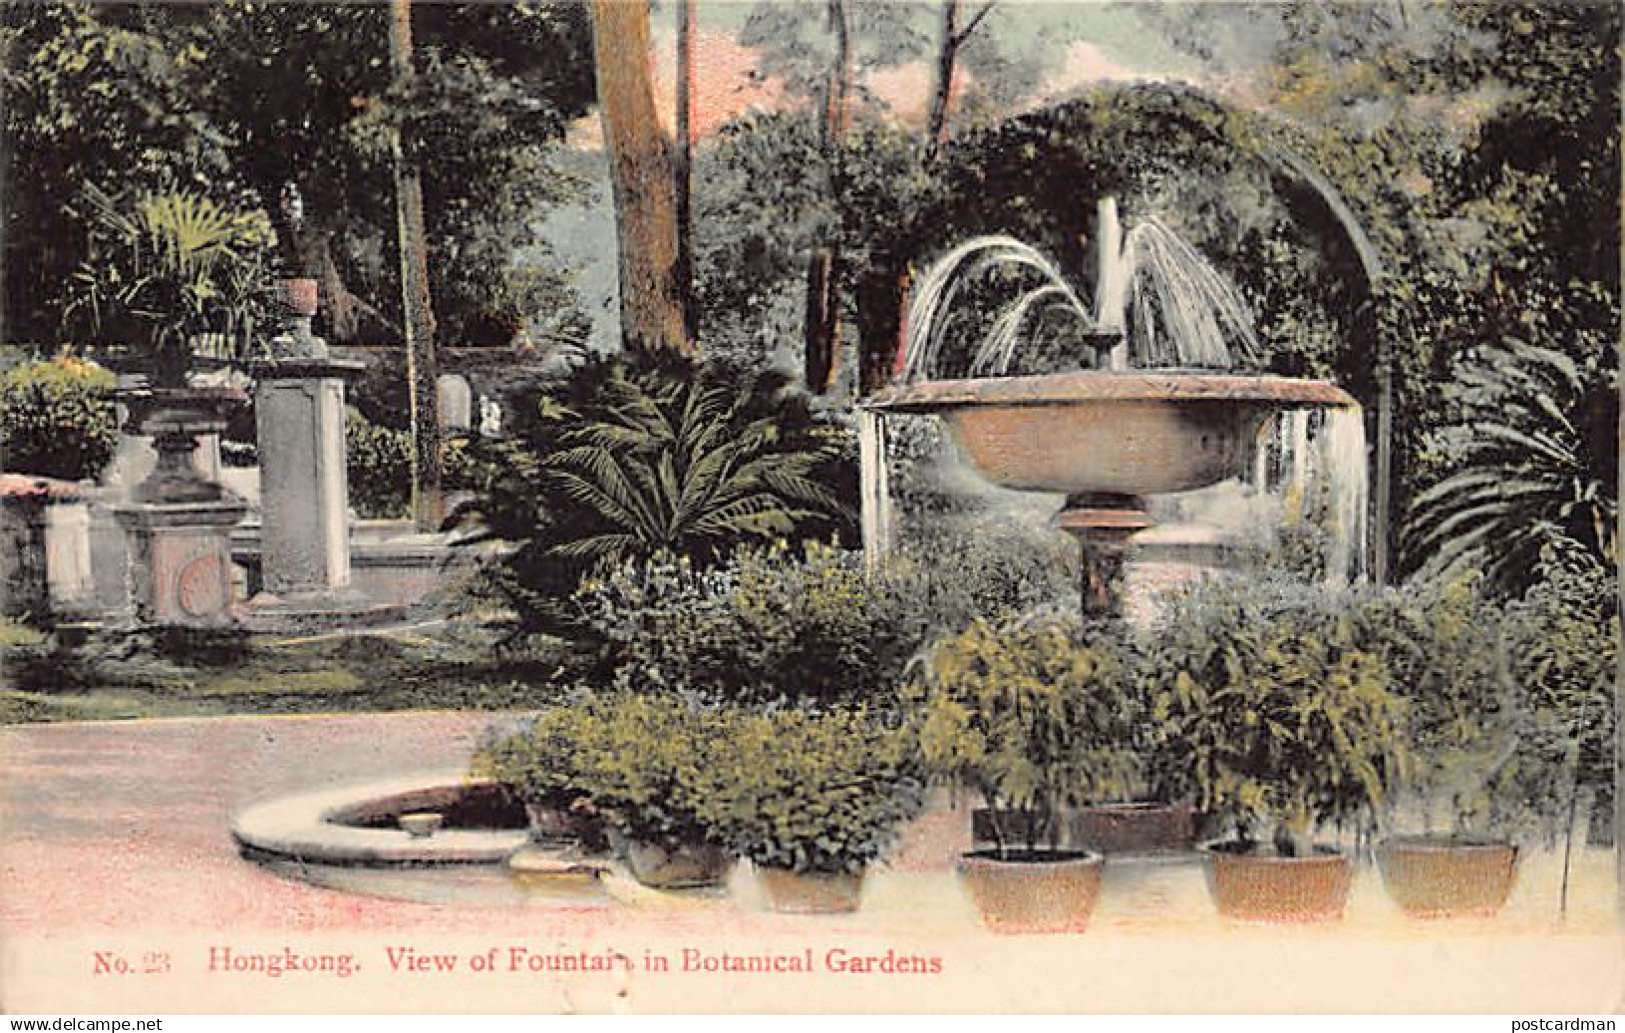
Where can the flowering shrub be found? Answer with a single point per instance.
(57, 418)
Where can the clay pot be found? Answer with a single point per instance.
(1447, 876)
(1259, 886)
(1134, 828)
(1039, 891)
(664, 866)
(301, 295)
(811, 893)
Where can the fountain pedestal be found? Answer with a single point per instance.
(179, 523)
(1103, 524)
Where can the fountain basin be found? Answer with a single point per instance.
(1129, 433)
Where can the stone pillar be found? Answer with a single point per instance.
(180, 560)
(304, 493)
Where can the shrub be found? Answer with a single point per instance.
(816, 792)
(378, 463)
(57, 418)
(1028, 715)
(634, 456)
(1445, 650)
(651, 766)
(778, 623)
(1562, 640)
(1289, 718)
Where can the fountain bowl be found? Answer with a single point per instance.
(1130, 433)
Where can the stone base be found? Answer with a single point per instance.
(390, 563)
(311, 612)
(180, 560)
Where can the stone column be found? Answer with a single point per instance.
(304, 493)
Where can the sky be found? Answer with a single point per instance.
(1103, 41)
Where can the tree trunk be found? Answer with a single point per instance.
(936, 126)
(685, 164)
(882, 293)
(428, 498)
(641, 171)
(821, 336)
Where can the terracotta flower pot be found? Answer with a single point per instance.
(301, 295)
(673, 867)
(1265, 887)
(1033, 892)
(1134, 828)
(811, 893)
(1447, 876)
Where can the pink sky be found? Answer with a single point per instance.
(724, 88)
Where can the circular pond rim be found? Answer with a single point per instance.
(306, 827)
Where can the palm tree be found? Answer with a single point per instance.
(1537, 456)
(166, 267)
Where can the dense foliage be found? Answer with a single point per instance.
(777, 623)
(57, 418)
(243, 98)
(1289, 720)
(818, 791)
(1032, 716)
(626, 458)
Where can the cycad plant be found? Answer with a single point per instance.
(1535, 455)
(680, 467)
(631, 457)
(167, 266)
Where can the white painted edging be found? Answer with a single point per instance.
(300, 828)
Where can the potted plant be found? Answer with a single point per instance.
(813, 798)
(1153, 813)
(1464, 718)
(1291, 724)
(165, 270)
(646, 766)
(539, 766)
(1009, 710)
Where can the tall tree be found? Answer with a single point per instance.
(241, 95)
(951, 40)
(685, 167)
(822, 342)
(641, 172)
(423, 368)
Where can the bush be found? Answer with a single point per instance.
(778, 623)
(816, 792)
(788, 788)
(651, 766)
(1562, 639)
(1030, 715)
(57, 418)
(1287, 714)
(378, 463)
(629, 457)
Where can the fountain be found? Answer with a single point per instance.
(1176, 418)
